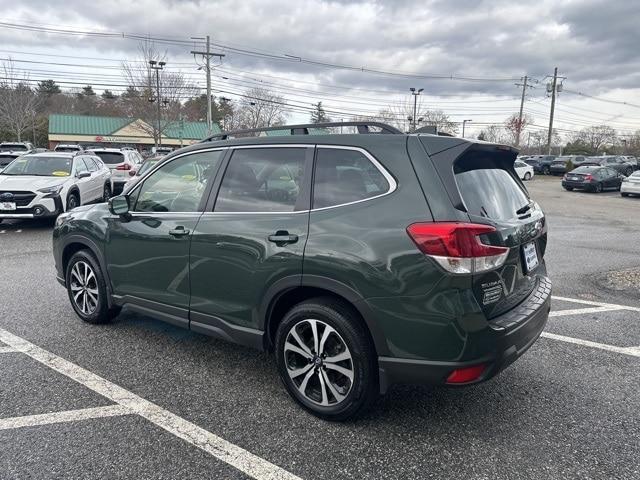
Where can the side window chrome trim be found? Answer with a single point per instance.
(393, 185)
(161, 164)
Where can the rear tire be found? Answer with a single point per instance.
(527, 176)
(106, 193)
(569, 189)
(87, 289)
(309, 335)
(598, 188)
(72, 201)
(546, 171)
(624, 194)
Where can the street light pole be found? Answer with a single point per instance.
(464, 122)
(157, 66)
(415, 94)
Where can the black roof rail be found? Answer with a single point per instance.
(303, 129)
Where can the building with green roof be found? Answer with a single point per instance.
(118, 131)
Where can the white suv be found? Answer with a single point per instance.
(120, 162)
(68, 148)
(40, 185)
(15, 146)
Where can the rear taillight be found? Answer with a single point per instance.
(457, 247)
(588, 177)
(123, 166)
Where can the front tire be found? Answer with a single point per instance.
(527, 176)
(546, 171)
(326, 359)
(598, 188)
(73, 200)
(87, 289)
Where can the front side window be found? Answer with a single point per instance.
(177, 186)
(262, 180)
(344, 176)
(90, 164)
(80, 166)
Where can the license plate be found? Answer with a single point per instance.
(530, 256)
(574, 178)
(7, 206)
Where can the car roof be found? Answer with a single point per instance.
(51, 154)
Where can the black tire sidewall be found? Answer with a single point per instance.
(527, 176)
(106, 197)
(77, 199)
(101, 313)
(365, 384)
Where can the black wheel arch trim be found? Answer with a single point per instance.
(284, 285)
(73, 190)
(97, 252)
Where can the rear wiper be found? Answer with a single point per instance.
(524, 209)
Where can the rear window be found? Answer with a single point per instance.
(491, 193)
(16, 147)
(584, 170)
(110, 158)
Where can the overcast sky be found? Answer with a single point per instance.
(594, 43)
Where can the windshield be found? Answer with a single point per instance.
(110, 158)
(8, 147)
(40, 166)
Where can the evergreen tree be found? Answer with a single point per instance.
(319, 115)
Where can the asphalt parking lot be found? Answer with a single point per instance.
(142, 399)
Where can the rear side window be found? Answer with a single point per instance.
(110, 158)
(262, 180)
(491, 193)
(345, 176)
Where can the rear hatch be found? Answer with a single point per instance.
(116, 163)
(481, 182)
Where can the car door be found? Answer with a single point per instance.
(251, 238)
(82, 180)
(147, 251)
(95, 180)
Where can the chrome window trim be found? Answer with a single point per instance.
(393, 185)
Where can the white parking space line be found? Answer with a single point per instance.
(219, 448)
(597, 304)
(632, 351)
(8, 350)
(62, 417)
(581, 311)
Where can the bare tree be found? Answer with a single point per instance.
(516, 126)
(142, 94)
(597, 137)
(494, 134)
(18, 103)
(400, 115)
(259, 108)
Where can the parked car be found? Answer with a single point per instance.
(593, 178)
(68, 148)
(7, 157)
(632, 160)
(524, 170)
(541, 163)
(616, 162)
(559, 165)
(120, 162)
(16, 146)
(161, 150)
(144, 167)
(630, 185)
(384, 264)
(40, 185)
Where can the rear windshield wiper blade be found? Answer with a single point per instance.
(524, 209)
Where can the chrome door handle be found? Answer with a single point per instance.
(179, 232)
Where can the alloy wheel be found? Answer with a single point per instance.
(318, 362)
(84, 287)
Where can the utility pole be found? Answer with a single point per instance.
(207, 66)
(464, 122)
(415, 94)
(553, 106)
(524, 89)
(157, 66)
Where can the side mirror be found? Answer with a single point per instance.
(119, 205)
(83, 174)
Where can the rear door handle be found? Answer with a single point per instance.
(282, 237)
(179, 232)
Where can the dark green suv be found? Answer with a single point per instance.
(360, 260)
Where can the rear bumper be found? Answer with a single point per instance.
(579, 185)
(558, 170)
(513, 334)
